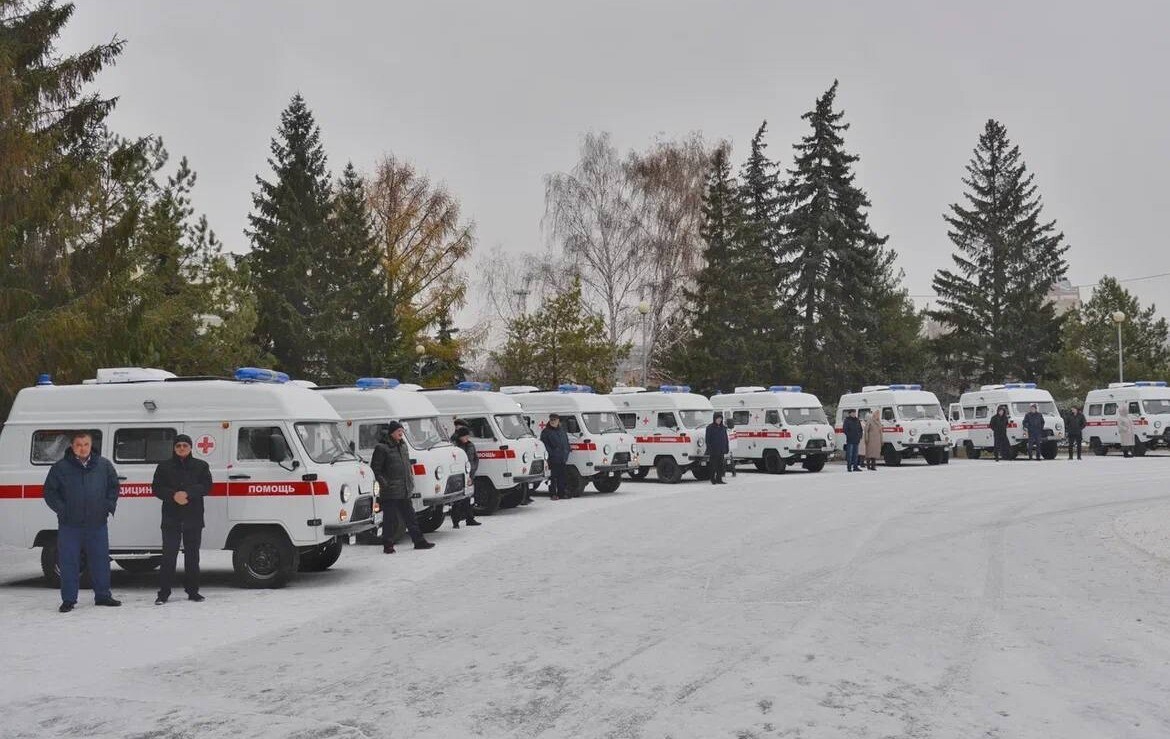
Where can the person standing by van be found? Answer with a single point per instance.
(461, 510)
(181, 483)
(82, 489)
(851, 425)
(556, 446)
(1076, 431)
(1034, 425)
(393, 471)
(1125, 431)
(999, 433)
(872, 437)
(718, 446)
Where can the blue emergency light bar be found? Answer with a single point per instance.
(1019, 386)
(259, 374)
(786, 389)
(905, 387)
(44, 379)
(376, 383)
(675, 388)
(469, 385)
(1141, 383)
(571, 388)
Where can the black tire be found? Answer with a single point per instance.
(1097, 447)
(52, 571)
(667, 470)
(973, 451)
(608, 483)
(814, 464)
(946, 456)
(891, 456)
(575, 483)
(773, 464)
(639, 474)
(759, 464)
(1012, 453)
(487, 498)
(1139, 448)
(265, 560)
(701, 472)
(319, 559)
(140, 566)
(430, 520)
(1049, 449)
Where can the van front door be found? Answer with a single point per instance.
(209, 442)
(265, 480)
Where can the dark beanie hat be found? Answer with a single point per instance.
(182, 439)
(462, 432)
(394, 426)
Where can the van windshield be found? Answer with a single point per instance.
(1046, 407)
(1155, 407)
(804, 416)
(424, 433)
(323, 441)
(603, 423)
(512, 426)
(695, 419)
(915, 412)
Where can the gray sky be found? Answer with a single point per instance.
(491, 96)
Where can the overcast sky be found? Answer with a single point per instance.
(491, 96)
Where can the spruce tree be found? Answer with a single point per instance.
(849, 308)
(290, 230)
(993, 304)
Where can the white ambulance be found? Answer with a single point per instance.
(511, 458)
(1148, 403)
(440, 468)
(286, 489)
(668, 426)
(600, 448)
(960, 426)
(777, 426)
(913, 423)
(976, 408)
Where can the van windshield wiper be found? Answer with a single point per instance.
(341, 455)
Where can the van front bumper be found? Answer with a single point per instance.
(607, 468)
(447, 498)
(350, 527)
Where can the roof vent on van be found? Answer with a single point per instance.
(467, 385)
(569, 387)
(303, 383)
(750, 389)
(376, 383)
(905, 387)
(786, 389)
(626, 390)
(518, 389)
(1113, 385)
(409, 387)
(675, 388)
(875, 388)
(1019, 386)
(258, 374)
(110, 375)
(1150, 383)
(991, 387)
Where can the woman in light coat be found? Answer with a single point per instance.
(871, 438)
(1125, 430)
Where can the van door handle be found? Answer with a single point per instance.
(239, 477)
(122, 478)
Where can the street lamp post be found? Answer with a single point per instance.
(644, 310)
(1119, 318)
(419, 351)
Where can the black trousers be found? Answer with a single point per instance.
(717, 463)
(557, 480)
(1003, 447)
(1074, 442)
(399, 509)
(461, 510)
(190, 537)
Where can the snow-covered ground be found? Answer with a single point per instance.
(976, 599)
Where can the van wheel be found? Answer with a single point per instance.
(667, 470)
(814, 464)
(431, 519)
(773, 464)
(701, 472)
(575, 482)
(759, 464)
(487, 498)
(140, 566)
(891, 456)
(973, 451)
(1049, 449)
(1098, 448)
(265, 560)
(946, 456)
(932, 456)
(319, 559)
(639, 474)
(1139, 449)
(511, 498)
(608, 483)
(51, 570)
(1012, 453)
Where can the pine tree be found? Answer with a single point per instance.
(850, 310)
(1000, 323)
(444, 364)
(290, 230)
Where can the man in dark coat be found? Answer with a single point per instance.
(556, 447)
(395, 475)
(853, 433)
(1034, 425)
(718, 446)
(82, 489)
(1076, 431)
(181, 483)
(461, 510)
(999, 433)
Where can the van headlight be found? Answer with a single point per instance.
(700, 442)
(800, 437)
(438, 472)
(524, 457)
(345, 492)
(607, 449)
(1157, 424)
(1059, 428)
(377, 489)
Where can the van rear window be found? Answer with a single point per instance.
(143, 446)
(48, 446)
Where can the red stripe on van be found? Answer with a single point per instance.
(419, 469)
(9, 492)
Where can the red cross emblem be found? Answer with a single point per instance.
(205, 444)
(541, 424)
(646, 420)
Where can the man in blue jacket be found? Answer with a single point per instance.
(556, 447)
(718, 446)
(1034, 425)
(851, 425)
(82, 489)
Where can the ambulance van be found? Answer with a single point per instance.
(1148, 403)
(913, 423)
(976, 408)
(601, 450)
(286, 489)
(440, 468)
(778, 426)
(669, 427)
(511, 458)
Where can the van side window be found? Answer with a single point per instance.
(144, 446)
(1134, 408)
(956, 413)
(666, 420)
(741, 418)
(253, 441)
(48, 447)
(1111, 409)
(862, 414)
(772, 417)
(1094, 409)
(571, 425)
(982, 411)
(888, 414)
(480, 428)
(629, 420)
(368, 435)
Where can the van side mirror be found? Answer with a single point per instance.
(278, 450)
(352, 448)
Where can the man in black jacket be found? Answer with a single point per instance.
(1076, 431)
(556, 447)
(1034, 425)
(181, 483)
(999, 427)
(853, 433)
(395, 475)
(718, 446)
(462, 510)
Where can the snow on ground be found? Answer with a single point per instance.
(976, 599)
